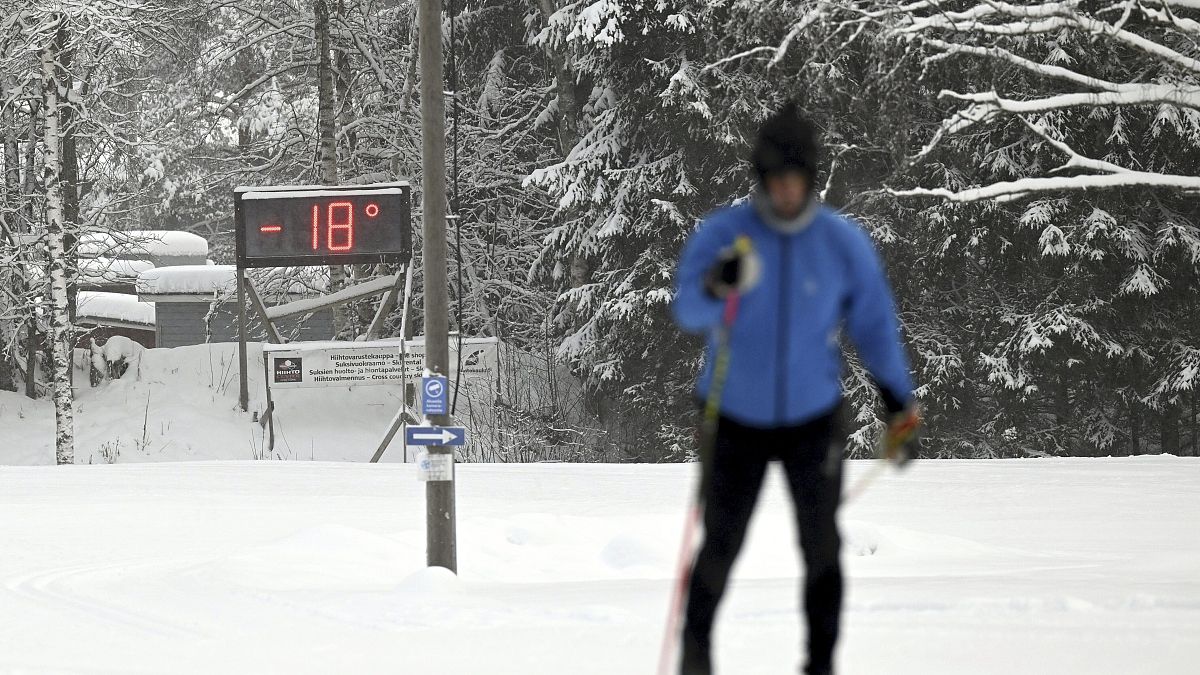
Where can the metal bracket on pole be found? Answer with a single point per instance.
(348, 294)
(408, 282)
(388, 303)
(402, 416)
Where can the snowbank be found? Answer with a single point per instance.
(105, 308)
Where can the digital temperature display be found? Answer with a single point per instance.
(323, 225)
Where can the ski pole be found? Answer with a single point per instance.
(884, 455)
(872, 474)
(708, 440)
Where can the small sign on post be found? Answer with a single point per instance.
(434, 399)
(432, 435)
(435, 467)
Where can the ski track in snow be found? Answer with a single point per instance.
(989, 567)
(67, 587)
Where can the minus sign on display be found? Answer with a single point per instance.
(271, 229)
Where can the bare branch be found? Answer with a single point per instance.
(737, 57)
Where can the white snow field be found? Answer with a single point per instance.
(1020, 566)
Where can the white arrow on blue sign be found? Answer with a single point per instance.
(436, 435)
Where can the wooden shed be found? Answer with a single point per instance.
(103, 315)
(196, 304)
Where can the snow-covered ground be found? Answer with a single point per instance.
(1026, 566)
(181, 404)
(236, 566)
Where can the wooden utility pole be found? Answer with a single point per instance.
(440, 518)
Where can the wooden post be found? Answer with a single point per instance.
(268, 418)
(243, 376)
(440, 517)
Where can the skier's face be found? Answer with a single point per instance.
(788, 192)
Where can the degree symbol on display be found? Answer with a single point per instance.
(372, 210)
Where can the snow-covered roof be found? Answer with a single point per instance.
(103, 307)
(137, 244)
(274, 284)
(188, 280)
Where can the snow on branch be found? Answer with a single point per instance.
(1020, 20)
(1077, 160)
(1011, 190)
(1044, 69)
(956, 123)
(1167, 17)
(737, 57)
(1185, 4)
(1140, 94)
(779, 52)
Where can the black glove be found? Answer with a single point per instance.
(902, 440)
(737, 268)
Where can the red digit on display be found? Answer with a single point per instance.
(316, 226)
(346, 226)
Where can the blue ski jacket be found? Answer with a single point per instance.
(785, 362)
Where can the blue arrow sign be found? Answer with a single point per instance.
(436, 435)
(434, 395)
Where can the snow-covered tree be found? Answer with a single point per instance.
(1084, 120)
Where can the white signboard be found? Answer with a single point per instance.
(322, 364)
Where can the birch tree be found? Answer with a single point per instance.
(54, 40)
(72, 54)
(326, 133)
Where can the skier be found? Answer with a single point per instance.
(780, 275)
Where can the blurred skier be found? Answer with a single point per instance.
(772, 281)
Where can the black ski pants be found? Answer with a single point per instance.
(811, 455)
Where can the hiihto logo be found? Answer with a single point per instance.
(288, 369)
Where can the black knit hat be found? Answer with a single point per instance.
(786, 141)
